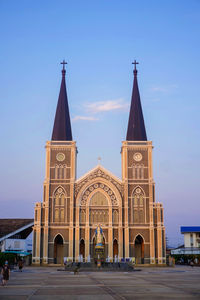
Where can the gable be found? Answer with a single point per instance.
(98, 172)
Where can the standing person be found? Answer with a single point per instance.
(20, 265)
(5, 272)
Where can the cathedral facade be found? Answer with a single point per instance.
(66, 220)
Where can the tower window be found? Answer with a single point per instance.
(59, 205)
(138, 171)
(138, 206)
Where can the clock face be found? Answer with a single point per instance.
(60, 156)
(137, 156)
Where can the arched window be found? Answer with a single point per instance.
(138, 202)
(98, 199)
(138, 171)
(98, 208)
(142, 171)
(134, 173)
(56, 171)
(65, 171)
(59, 203)
(60, 172)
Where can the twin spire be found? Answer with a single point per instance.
(62, 125)
(136, 128)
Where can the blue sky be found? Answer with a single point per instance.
(100, 39)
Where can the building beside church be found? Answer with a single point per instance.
(191, 241)
(66, 220)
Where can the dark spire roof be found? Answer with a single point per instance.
(62, 125)
(136, 127)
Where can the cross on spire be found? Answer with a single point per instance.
(135, 63)
(99, 160)
(63, 63)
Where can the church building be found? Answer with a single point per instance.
(130, 218)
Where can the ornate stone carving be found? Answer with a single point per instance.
(96, 174)
(91, 188)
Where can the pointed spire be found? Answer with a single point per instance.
(62, 125)
(136, 127)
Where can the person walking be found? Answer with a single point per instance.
(5, 272)
(20, 265)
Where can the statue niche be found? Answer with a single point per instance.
(99, 247)
(99, 236)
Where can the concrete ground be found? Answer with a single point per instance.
(181, 282)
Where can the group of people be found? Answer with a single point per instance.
(5, 271)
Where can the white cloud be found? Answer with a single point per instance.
(158, 89)
(164, 89)
(109, 105)
(84, 118)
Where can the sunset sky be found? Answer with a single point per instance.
(99, 40)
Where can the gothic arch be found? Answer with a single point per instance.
(115, 248)
(58, 235)
(90, 196)
(139, 234)
(138, 186)
(79, 196)
(58, 249)
(138, 209)
(58, 213)
(98, 180)
(139, 248)
(82, 247)
(55, 190)
(97, 216)
(101, 181)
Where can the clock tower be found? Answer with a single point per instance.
(144, 232)
(53, 227)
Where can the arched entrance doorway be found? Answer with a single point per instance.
(115, 249)
(58, 249)
(139, 250)
(82, 249)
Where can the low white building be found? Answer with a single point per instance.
(191, 241)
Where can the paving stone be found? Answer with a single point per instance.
(73, 297)
(150, 283)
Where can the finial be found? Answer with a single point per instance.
(99, 160)
(63, 69)
(135, 63)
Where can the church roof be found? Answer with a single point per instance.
(101, 169)
(136, 127)
(9, 226)
(62, 125)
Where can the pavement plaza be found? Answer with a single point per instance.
(38, 283)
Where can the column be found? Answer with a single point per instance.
(87, 234)
(77, 246)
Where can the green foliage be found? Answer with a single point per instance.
(10, 257)
(185, 257)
